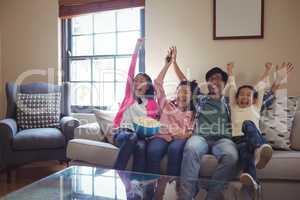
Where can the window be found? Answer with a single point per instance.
(97, 54)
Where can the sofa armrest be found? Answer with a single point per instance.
(8, 128)
(67, 126)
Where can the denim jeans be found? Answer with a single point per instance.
(156, 150)
(247, 144)
(129, 145)
(223, 149)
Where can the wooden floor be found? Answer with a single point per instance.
(28, 174)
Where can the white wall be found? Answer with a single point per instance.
(29, 40)
(189, 25)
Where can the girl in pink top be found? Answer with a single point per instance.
(176, 120)
(138, 102)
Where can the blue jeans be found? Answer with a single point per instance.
(129, 145)
(156, 150)
(223, 149)
(247, 144)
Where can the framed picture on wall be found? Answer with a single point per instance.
(238, 19)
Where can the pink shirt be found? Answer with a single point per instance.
(175, 124)
(151, 107)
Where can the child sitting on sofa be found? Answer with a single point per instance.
(139, 101)
(176, 120)
(246, 103)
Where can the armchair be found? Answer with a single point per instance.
(18, 147)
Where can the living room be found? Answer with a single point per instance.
(33, 38)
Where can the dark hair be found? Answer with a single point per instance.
(195, 91)
(150, 91)
(255, 94)
(216, 70)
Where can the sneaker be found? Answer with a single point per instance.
(247, 180)
(263, 155)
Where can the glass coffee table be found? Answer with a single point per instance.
(81, 183)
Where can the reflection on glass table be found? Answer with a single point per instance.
(80, 183)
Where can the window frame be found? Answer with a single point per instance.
(66, 44)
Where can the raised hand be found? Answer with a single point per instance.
(168, 59)
(177, 69)
(230, 67)
(283, 71)
(174, 54)
(139, 44)
(269, 66)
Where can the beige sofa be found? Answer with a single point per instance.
(280, 179)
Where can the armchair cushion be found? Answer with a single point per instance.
(38, 138)
(38, 110)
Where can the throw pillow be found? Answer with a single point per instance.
(38, 110)
(105, 120)
(276, 122)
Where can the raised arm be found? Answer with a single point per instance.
(231, 85)
(177, 69)
(163, 71)
(129, 83)
(158, 82)
(131, 71)
(267, 72)
(281, 75)
(262, 85)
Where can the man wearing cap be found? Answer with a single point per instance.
(212, 135)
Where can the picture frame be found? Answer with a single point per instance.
(238, 19)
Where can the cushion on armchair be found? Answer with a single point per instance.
(38, 110)
(38, 138)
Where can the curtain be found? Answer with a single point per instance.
(71, 8)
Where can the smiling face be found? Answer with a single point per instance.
(245, 97)
(183, 96)
(216, 84)
(140, 85)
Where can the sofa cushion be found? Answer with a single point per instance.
(104, 155)
(105, 120)
(89, 131)
(276, 122)
(38, 138)
(284, 165)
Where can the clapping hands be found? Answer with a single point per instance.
(171, 55)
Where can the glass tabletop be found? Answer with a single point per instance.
(80, 183)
